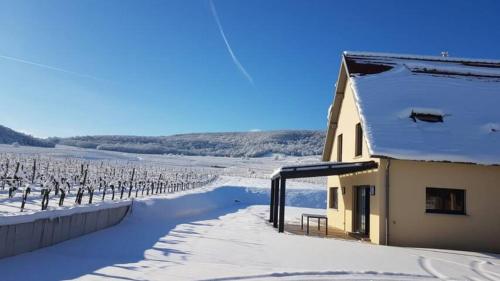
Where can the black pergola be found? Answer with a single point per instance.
(279, 177)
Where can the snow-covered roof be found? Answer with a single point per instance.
(460, 96)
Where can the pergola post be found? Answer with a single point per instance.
(271, 203)
(278, 183)
(276, 202)
(281, 227)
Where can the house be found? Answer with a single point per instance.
(432, 126)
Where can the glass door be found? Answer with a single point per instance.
(362, 214)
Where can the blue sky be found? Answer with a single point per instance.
(164, 67)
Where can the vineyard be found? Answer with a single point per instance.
(33, 183)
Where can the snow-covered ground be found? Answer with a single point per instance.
(220, 232)
(237, 166)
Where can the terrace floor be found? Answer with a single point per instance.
(333, 232)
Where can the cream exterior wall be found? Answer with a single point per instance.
(348, 118)
(410, 225)
(342, 217)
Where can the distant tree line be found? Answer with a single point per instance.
(238, 144)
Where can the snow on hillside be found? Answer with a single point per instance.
(9, 136)
(238, 144)
(221, 233)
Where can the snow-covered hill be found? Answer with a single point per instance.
(236, 144)
(9, 136)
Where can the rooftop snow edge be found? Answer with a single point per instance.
(421, 57)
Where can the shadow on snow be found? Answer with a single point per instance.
(127, 242)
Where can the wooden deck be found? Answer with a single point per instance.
(294, 228)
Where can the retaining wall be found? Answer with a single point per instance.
(18, 238)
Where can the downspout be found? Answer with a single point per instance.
(387, 185)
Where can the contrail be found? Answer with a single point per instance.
(221, 30)
(48, 67)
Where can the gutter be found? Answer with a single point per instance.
(387, 185)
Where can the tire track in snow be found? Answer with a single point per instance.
(331, 275)
(426, 265)
(478, 267)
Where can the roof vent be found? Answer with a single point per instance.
(426, 117)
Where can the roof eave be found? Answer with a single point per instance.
(381, 156)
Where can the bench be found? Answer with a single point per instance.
(314, 216)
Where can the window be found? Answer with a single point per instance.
(339, 148)
(445, 201)
(359, 140)
(334, 198)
